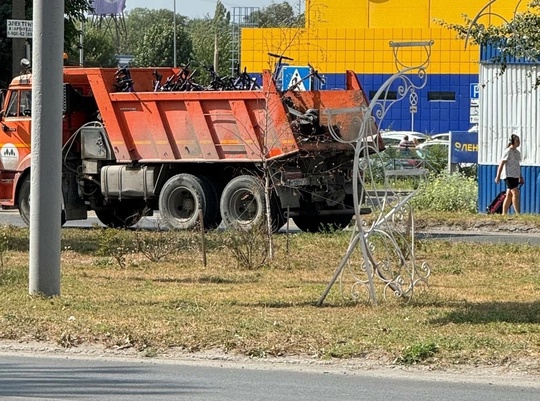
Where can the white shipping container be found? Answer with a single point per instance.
(509, 105)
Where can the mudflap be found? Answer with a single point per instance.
(73, 205)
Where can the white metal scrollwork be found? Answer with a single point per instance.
(382, 245)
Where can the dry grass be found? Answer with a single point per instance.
(482, 306)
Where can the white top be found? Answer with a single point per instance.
(512, 168)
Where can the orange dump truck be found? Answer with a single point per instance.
(183, 153)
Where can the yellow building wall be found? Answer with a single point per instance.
(343, 34)
(365, 50)
(402, 13)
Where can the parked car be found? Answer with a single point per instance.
(441, 137)
(393, 138)
(435, 154)
(439, 147)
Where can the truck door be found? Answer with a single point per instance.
(15, 133)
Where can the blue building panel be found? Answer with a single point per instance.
(433, 116)
(487, 189)
(491, 54)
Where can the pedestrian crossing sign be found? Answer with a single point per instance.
(296, 78)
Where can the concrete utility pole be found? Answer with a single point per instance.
(46, 168)
(18, 49)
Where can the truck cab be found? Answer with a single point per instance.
(15, 139)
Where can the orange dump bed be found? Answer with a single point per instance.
(215, 126)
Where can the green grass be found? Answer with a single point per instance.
(482, 304)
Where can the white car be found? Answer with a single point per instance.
(439, 147)
(441, 137)
(393, 138)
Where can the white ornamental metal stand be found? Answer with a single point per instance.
(382, 246)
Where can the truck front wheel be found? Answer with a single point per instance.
(182, 198)
(23, 202)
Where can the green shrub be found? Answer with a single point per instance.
(115, 243)
(448, 193)
(250, 248)
(417, 353)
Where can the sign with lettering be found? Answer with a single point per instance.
(475, 91)
(19, 28)
(463, 147)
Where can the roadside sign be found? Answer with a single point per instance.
(474, 114)
(463, 147)
(19, 28)
(475, 91)
(297, 78)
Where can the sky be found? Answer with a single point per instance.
(200, 8)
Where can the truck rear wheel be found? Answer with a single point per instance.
(243, 204)
(182, 198)
(313, 224)
(121, 214)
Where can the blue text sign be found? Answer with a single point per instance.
(475, 91)
(463, 147)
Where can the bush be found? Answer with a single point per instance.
(448, 193)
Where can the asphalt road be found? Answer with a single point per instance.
(63, 378)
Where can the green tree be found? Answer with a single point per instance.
(150, 38)
(279, 15)
(99, 49)
(74, 13)
(516, 37)
(208, 32)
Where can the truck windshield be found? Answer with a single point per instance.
(20, 104)
(12, 109)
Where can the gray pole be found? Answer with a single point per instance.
(174, 33)
(45, 187)
(81, 44)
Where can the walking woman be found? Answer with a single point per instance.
(510, 170)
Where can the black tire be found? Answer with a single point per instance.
(243, 205)
(182, 198)
(121, 214)
(23, 202)
(314, 223)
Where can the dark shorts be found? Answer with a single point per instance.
(512, 182)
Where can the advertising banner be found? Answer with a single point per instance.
(108, 7)
(463, 147)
